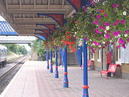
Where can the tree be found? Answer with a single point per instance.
(39, 48)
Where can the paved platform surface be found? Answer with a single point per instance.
(33, 80)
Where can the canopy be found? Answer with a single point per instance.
(6, 29)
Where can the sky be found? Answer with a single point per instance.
(1, 18)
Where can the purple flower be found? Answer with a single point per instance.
(116, 33)
(96, 22)
(107, 36)
(106, 23)
(121, 41)
(98, 17)
(115, 5)
(123, 21)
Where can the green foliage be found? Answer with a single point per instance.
(93, 26)
(109, 11)
(16, 48)
(39, 48)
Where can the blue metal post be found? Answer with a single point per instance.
(66, 84)
(47, 59)
(56, 67)
(60, 61)
(79, 55)
(51, 63)
(85, 71)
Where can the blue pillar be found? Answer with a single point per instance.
(79, 55)
(56, 67)
(51, 63)
(66, 84)
(60, 57)
(47, 55)
(85, 71)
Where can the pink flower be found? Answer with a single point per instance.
(96, 43)
(106, 23)
(116, 33)
(97, 31)
(118, 46)
(84, 8)
(116, 22)
(115, 5)
(96, 22)
(123, 46)
(128, 39)
(127, 31)
(86, 39)
(123, 21)
(101, 27)
(98, 17)
(105, 15)
(107, 36)
(121, 41)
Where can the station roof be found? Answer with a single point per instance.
(6, 29)
(25, 16)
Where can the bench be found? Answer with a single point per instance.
(112, 69)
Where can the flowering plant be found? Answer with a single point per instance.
(100, 25)
(105, 23)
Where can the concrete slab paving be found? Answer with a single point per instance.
(33, 80)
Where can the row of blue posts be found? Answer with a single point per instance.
(63, 60)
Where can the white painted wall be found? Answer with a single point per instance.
(124, 55)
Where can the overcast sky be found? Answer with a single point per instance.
(2, 19)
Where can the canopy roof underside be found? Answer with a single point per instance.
(23, 14)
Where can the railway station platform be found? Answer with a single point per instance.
(34, 80)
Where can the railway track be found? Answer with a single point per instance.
(6, 77)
